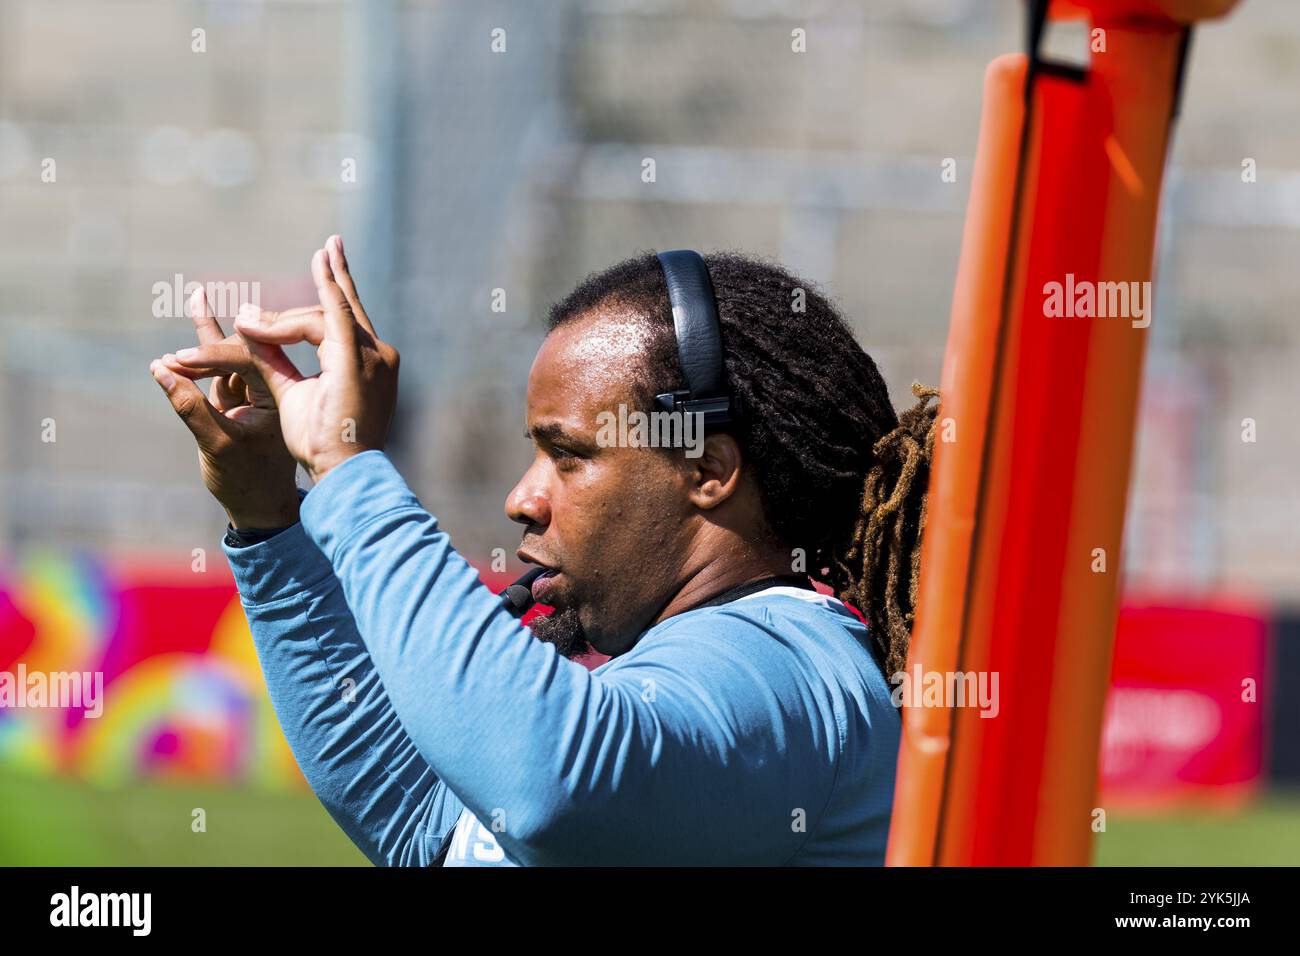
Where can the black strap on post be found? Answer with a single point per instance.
(1035, 27)
(1184, 51)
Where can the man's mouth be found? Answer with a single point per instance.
(544, 583)
(545, 580)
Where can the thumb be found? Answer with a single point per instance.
(277, 372)
(209, 426)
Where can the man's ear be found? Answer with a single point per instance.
(715, 473)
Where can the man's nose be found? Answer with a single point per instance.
(527, 504)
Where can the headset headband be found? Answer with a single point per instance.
(699, 341)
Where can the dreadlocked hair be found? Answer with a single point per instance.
(840, 474)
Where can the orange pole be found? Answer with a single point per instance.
(1020, 565)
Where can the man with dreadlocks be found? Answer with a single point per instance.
(743, 717)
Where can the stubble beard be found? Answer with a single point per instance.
(564, 630)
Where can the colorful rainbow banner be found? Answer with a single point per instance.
(183, 696)
(182, 689)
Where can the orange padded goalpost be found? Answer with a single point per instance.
(1020, 564)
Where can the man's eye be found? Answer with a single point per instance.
(567, 457)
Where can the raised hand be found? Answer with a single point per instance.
(242, 456)
(346, 408)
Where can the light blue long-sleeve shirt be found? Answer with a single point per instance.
(759, 731)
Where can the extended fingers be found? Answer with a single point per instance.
(338, 263)
(221, 358)
(340, 323)
(305, 324)
(205, 323)
(272, 365)
(209, 426)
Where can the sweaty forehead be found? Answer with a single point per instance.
(587, 365)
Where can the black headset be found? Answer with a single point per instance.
(699, 341)
(699, 349)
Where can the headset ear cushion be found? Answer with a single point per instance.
(695, 320)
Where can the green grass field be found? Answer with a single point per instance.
(1265, 834)
(58, 822)
(63, 823)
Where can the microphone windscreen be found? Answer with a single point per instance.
(518, 598)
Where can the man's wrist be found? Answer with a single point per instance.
(317, 470)
(278, 516)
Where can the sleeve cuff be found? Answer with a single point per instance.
(277, 568)
(352, 495)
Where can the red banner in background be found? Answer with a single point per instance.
(184, 697)
(1185, 716)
